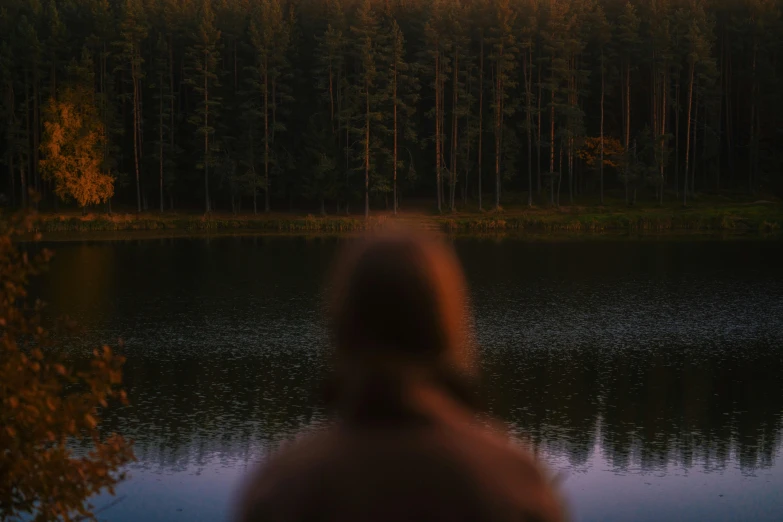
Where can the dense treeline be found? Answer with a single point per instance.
(263, 104)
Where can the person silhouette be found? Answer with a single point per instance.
(406, 443)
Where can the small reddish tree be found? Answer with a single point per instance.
(46, 404)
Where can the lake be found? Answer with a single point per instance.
(647, 372)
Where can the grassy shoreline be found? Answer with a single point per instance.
(754, 217)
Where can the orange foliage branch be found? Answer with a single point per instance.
(590, 152)
(46, 404)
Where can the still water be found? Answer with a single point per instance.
(647, 373)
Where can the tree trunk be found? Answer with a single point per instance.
(36, 137)
(347, 166)
(266, 134)
(481, 116)
(498, 123)
(468, 139)
(11, 175)
(688, 135)
(160, 139)
(636, 182)
(135, 81)
(665, 90)
(627, 105)
(24, 163)
(601, 164)
(704, 147)
(654, 96)
(627, 120)
(22, 181)
(752, 148)
(438, 94)
(442, 124)
(572, 103)
(560, 171)
(528, 78)
(206, 135)
(692, 175)
(273, 130)
(677, 137)
(570, 169)
(454, 123)
(394, 153)
(331, 93)
(171, 93)
(552, 143)
(367, 151)
(538, 141)
(719, 139)
(729, 128)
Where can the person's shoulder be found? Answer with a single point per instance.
(290, 472)
(511, 473)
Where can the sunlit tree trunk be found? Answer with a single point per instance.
(677, 136)
(481, 117)
(688, 134)
(552, 144)
(538, 140)
(23, 180)
(438, 95)
(160, 137)
(527, 77)
(454, 123)
(367, 151)
(36, 133)
(601, 163)
(627, 118)
(572, 103)
(468, 123)
(560, 172)
(663, 144)
(498, 71)
(11, 175)
(25, 162)
(752, 147)
(692, 175)
(206, 133)
(727, 97)
(171, 115)
(266, 134)
(394, 152)
(135, 80)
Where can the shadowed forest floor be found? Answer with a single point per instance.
(707, 213)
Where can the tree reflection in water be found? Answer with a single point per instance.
(655, 352)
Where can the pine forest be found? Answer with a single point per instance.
(352, 106)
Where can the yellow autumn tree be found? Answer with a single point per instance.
(72, 148)
(590, 152)
(48, 405)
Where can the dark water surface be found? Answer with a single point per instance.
(648, 372)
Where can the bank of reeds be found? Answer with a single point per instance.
(761, 217)
(194, 223)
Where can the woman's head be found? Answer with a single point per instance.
(400, 296)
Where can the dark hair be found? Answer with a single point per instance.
(397, 310)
